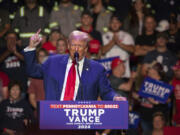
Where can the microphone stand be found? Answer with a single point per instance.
(76, 56)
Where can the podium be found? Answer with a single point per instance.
(73, 115)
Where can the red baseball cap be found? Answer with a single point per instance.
(116, 62)
(177, 65)
(94, 46)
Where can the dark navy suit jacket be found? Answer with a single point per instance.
(93, 79)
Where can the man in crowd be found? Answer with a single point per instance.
(118, 43)
(66, 15)
(12, 61)
(118, 82)
(162, 55)
(146, 41)
(29, 19)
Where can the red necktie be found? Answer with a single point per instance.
(70, 84)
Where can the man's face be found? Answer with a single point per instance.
(115, 25)
(79, 46)
(150, 24)
(86, 20)
(11, 39)
(119, 70)
(161, 42)
(15, 92)
(158, 123)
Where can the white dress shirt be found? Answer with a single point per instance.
(69, 64)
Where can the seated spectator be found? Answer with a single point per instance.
(158, 124)
(50, 45)
(118, 43)
(15, 113)
(162, 55)
(118, 82)
(62, 46)
(134, 22)
(4, 81)
(12, 61)
(36, 87)
(176, 91)
(146, 41)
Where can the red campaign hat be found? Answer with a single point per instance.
(177, 66)
(116, 62)
(94, 46)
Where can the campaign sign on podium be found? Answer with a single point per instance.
(83, 114)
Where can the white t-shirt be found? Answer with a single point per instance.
(126, 39)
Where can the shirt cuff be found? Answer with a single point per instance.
(27, 49)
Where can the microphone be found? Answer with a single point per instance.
(76, 57)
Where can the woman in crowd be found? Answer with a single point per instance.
(15, 113)
(149, 105)
(158, 124)
(134, 21)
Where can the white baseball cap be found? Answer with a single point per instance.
(163, 25)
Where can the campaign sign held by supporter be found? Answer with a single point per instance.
(106, 62)
(83, 114)
(157, 90)
(134, 120)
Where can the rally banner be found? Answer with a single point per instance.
(134, 120)
(157, 90)
(106, 62)
(83, 114)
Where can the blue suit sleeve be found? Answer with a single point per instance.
(33, 69)
(106, 91)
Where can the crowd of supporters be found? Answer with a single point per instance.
(134, 38)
